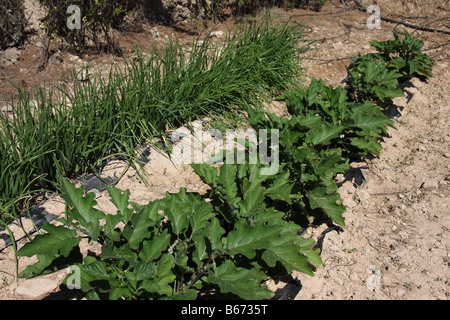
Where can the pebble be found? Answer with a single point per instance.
(175, 137)
(401, 292)
(217, 34)
(354, 277)
(11, 54)
(154, 32)
(339, 281)
(431, 184)
(348, 203)
(363, 195)
(338, 45)
(74, 59)
(403, 234)
(36, 289)
(391, 197)
(7, 109)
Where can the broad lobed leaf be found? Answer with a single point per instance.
(242, 282)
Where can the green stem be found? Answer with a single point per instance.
(202, 271)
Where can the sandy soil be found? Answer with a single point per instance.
(396, 241)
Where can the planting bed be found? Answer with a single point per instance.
(395, 243)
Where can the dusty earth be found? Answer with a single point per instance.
(396, 244)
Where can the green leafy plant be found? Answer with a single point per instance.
(315, 143)
(182, 246)
(405, 55)
(336, 121)
(371, 80)
(375, 77)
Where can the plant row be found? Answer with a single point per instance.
(245, 230)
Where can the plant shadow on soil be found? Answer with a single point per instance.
(354, 175)
(394, 110)
(289, 291)
(64, 293)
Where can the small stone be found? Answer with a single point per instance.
(339, 281)
(431, 184)
(363, 195)
(11, 54)
(74, 58)
(217, 34)
(175, 136)
(7, 109)
(154, 32)
(403, 234)
(391, 197)
(348, 188)
(401, 292)
(338, 45)
(56, 58)
(35, 289)
(348, 203)
(354, 277)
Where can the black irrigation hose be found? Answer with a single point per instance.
(409, 25)
(321, 238)
(328, 60)
(436, 47)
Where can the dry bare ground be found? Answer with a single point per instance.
(396, 241)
